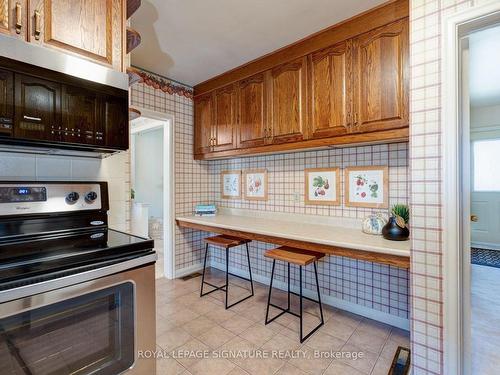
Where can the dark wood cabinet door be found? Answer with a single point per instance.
(381, 78)
(88, 28)
(6, 102)
(112, 130)
(225, 119)
(252, 111)
(288, 101)
(37, 108)
(330, 91)
(203, 120)
(80, 115)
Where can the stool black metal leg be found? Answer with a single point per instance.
(319, 295)
(288, 305)
(204, 267)
(300, 313)
(227, 277)
(270, 290)
(249, 267)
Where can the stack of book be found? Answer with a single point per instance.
(205, 210)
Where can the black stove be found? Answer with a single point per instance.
(52, 229)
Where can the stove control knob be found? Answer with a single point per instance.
(90, 197)
(72, 197)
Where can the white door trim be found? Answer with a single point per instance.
(168, 183)
(456, 274)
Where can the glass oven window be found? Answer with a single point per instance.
(89, 334)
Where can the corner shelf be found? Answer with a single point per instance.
(133, 39)
(132, 6)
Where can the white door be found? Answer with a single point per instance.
(485, 197)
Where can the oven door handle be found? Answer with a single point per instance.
(77, 278)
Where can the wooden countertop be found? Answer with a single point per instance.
(304, 231)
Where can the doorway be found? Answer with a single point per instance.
(471, 214)
(152, 182)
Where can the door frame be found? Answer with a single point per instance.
(456, 270)
(168, 182)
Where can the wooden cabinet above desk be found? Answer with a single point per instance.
(345, 85)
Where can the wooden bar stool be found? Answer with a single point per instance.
(300, 258)
(225, 242)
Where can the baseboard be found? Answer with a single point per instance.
(188, 270)
(380, 316)
(485, 245)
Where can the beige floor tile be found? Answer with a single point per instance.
(172, 339)
(367, 340)
(346, 318)
(389, 349)
(166, 308)
(199, 326)
(380, 329)
(363, 363)
(255, 312)
(400, 336)
(216, 336)
(310, 363)
(220, 314)
(163, 325)
(340, 368)
(288, 369)
(257, 334)
(382, 366)
(338, 329)
(168, 366)
(281, 342)
(212, 366)
(192, 352)
(182, 315)
(237, 324)
(262, 366)
(324, 342)
(237, 371)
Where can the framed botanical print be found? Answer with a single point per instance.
(230, 184)
(322, 186)
(255, 182)
(366, 186)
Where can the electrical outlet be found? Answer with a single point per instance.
(296, 197)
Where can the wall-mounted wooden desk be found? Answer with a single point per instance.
(333, 240)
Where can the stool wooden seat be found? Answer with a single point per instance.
(292, 255)
(226, 243)
(300, 258)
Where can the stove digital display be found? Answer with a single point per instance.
(23, 191)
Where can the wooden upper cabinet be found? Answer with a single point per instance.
(203, 119)
(224, 126)
(14, 18)
(37, 108)
(252, 111)
(89, 28)
(6, 102)
(381, 78)
(288, 101)
(330, 91)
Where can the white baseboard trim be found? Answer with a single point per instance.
(380, 316)
(485, 245)
(188, 270)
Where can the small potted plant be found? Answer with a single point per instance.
(396, 228)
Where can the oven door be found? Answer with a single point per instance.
(96, 327)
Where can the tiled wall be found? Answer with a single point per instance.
(114, 169)
(426, 181)
(191, 177)
(371, 285)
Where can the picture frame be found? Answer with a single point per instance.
(366, 186)
(230, 184)
(255, 184)
(322, 186)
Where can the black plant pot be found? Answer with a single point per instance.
(392, 231)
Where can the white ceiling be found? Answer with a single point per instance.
(484, 47)
(194, 40)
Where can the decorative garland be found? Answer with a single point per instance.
(164, 85)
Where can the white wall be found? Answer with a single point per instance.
(148, 184)
(26, 167)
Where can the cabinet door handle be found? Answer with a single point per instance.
(37, 25)
(19, 24)
(32, 118)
